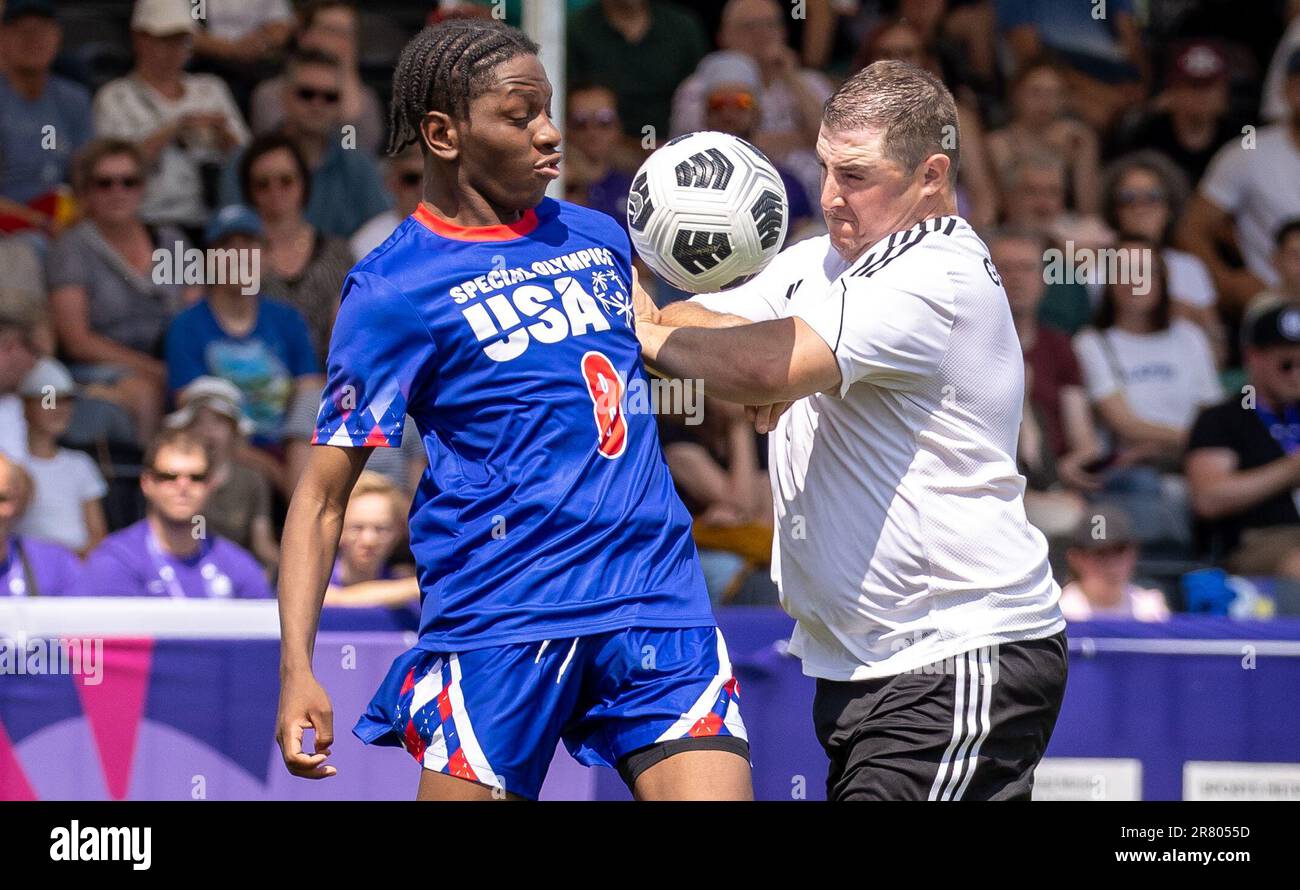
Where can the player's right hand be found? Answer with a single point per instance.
(305, 705)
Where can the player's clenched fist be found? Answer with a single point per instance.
(304, 705)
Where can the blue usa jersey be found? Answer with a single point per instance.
(547, 510)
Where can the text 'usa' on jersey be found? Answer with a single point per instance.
(547, 509)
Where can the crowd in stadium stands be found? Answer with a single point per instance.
(152, 426)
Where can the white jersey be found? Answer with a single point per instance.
(901, 535)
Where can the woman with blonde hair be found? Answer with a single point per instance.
(372, 528)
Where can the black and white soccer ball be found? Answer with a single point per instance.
(707, 211)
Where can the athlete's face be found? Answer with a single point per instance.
(866, 195)
(509, 146)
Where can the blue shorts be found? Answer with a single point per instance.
(495, 715)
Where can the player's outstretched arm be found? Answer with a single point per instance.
(311, 537)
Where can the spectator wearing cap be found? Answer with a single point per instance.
(730, 96)
(345, 188)
(641, 49)
(328, 26)
(790, 97)
(1251, 187)
(239, 505)
(187, 125)
(108, 308)
(260, 345)
(301, 265)
(172, 551)
(18, 355)
(374, 524)
(1286, 259)
(1243, 461)
(1039, 124)
(404, 180)
(30, 566)
(1103, 557)
(1143, 195)
(593, 178)
(68, 489)
(32, 100)
(1190, 120)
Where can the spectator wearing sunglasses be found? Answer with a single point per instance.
(1243, 461)
(404, 179)
(345, 189)
(1143, 195)
(592, 129)
(172, 551)
(328, 26)
(108, 312)
(301, 265)
(1103, 558)
(186, 125)
(30, 566)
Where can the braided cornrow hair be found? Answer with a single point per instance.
(445, 66)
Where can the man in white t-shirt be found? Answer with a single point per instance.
(1251, 186)
(926, 608)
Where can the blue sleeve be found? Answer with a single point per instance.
(380, 364)
(183, 351)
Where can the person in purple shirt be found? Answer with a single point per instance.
(30, 566)
(169, 553)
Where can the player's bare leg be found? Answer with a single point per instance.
(440, 786)
(696, 775)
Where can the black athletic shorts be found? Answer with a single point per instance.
(972, 727)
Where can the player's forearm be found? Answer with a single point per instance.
(685, 314)
(308, 546)
(737, 364)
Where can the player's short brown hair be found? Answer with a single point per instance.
(910, 105)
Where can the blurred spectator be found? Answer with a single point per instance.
(373, 525)
(730, 95)
(46, 117)
(592, 129)
(260, 345)
(67, 486)
(1190, 120)
(1147, 374)
(977, 194)
(18, 354)
(1243, 462)
(1050, 506)
(171, 552)
(108, 310)
(328, 26)
(241, 40)
(641, 49)
(404, 179)
(1034, 200)
(1039, 124)
(1102, 559)
(186, 125)
(1273, 104)
(239, 505)
(300, 266)
(31, 567)
(1250, 188)
(345, 189)
(1103, 59)
(1143, 195)
(1286, 259)
(789, 97)
(1056, 389)
(24, 271)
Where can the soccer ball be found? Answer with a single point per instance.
(707, 211)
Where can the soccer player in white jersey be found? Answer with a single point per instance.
(883, 359)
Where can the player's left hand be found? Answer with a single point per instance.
(764, 417)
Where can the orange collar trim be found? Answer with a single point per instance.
(440, 226)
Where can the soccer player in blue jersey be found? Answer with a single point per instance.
(561, 592)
